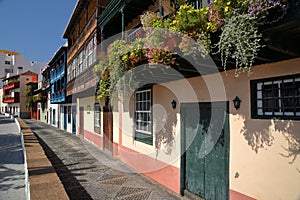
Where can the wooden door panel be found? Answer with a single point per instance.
(207, 152)
(108, 128)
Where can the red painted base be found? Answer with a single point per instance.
(234, 195)
(163, 173)
(94, 138)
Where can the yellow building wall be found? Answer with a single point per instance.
(259, 166)
(89, 116)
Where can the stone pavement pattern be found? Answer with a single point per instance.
(12, 173)
(88, 173)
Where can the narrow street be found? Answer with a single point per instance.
(88, 173)
(12, 173)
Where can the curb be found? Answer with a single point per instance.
(27, 185)
(41, 176)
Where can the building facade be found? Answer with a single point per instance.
(57, 69)
(166, 128)
(83, 38)
(210, 135)
(13, 63)
(14, 93)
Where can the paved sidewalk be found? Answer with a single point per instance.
(12, 173)
(88, 173)
(43, 180)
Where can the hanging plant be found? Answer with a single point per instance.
(240, 41)
(148, 18)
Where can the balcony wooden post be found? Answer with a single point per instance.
(123, 22)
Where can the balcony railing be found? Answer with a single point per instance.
(135, 34)
(57, 73)
(58, 97)
(11, 86)
(12, 99)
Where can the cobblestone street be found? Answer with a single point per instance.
(88, 173)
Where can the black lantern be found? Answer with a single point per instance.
(236, 102)
(173, 104)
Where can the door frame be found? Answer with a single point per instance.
(107, 129)
(183, 141)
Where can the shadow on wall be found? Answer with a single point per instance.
(166, 133)
(259, 134)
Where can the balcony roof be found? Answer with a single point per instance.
(111, 16)
(74, 17)
(61, 50)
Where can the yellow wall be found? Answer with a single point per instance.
(262, 173)
(89, 117)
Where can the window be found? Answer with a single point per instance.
(143, 116)
(276, 98)
(6, 71)
(74, 66)
(91, 52)
(94, 49)
(80, 62)
(68, 73)
(84, 59)
(7, 62)
(97, 118)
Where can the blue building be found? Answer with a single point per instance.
(57, 76)
(57, 66)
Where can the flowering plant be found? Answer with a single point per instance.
(160, 56)
(261, 9)
(235, 22)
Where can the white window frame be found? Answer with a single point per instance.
(143, 114)
(277, 85)
(80, 62)
(97, 114)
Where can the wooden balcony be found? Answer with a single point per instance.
(12, 99)
(282, 38)
(11, 85)
(89, 28)
(86, 81)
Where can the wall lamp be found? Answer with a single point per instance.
(236, 102)
(174, 103)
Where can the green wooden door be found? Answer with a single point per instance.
(206, 144)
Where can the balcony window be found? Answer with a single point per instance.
(80, 62)
(91, 52)
(74, 66)
(84, 59)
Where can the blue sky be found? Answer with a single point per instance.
(34, 27)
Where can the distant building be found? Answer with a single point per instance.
(58, 79)
(42, 96)
(13, 63)
(3, 106)
(14, 93)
